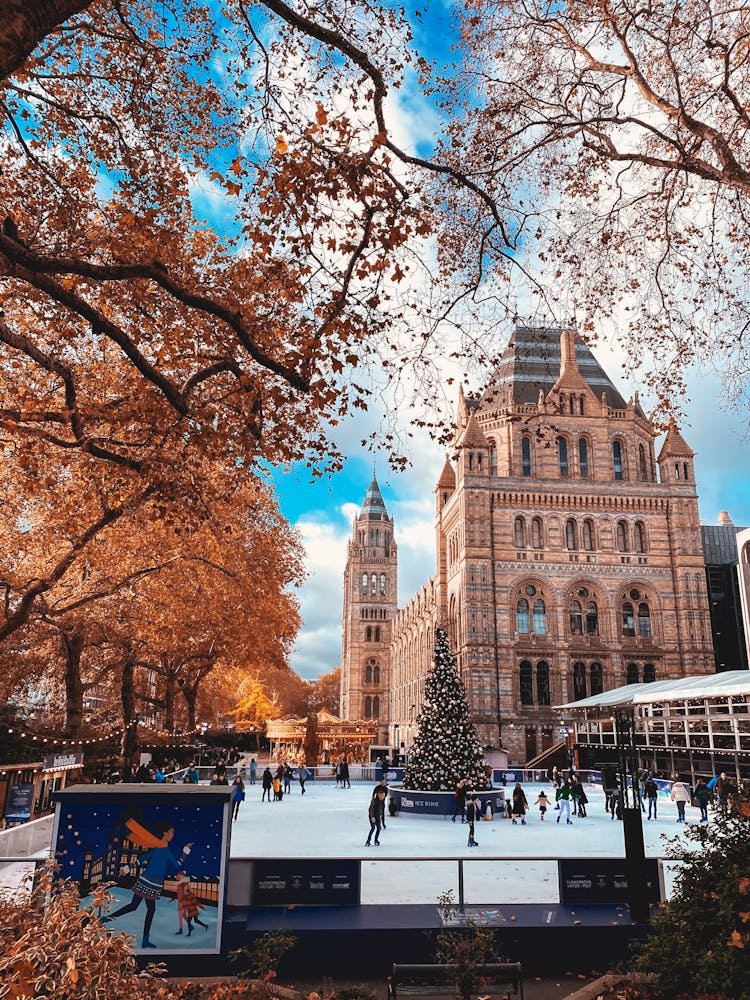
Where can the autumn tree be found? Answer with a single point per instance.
(327, 691)
(616, 135)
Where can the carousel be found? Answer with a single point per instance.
(336, 737)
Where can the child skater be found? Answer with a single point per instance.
(188, 906)
(542, 802)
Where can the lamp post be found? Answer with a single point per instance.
(632, 823)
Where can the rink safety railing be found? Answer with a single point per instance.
(18, 874)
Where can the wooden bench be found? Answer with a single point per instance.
(497, 979)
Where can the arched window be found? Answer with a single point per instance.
(365, 582)
(493, 458)
(622, 536)
(376, 675)
(519, 533)
(579, 681)
(368, 674)
(522, 615)
(583, 457)
(377, 633)
(596, 677)
(644, 620)
(631, 673)
(376, 707)
(639, 536)
(537, 533)
(374, 583)
(540, 617)
(649, 673)
(571, 534)
(576, 618)
(526, 455)
(642, 463)
(382, 583)
(628, 619)
(368, 707)
(542, 683)
(617, 458)
(677, 470)
(592, 618)
(526, 680)
(587, 535)
(368, 633)
(685, 471)
(562, 454)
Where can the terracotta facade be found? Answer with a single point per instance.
(568, 555)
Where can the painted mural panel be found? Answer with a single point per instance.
(163, 854)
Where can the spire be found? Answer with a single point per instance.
(568, 363)
(374, 505)
(447, 479)
(675, 445)
(473, 435)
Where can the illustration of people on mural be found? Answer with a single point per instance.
(156, 855)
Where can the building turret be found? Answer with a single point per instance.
(676, 458)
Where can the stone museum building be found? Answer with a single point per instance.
(568, 557)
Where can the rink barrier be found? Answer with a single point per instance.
(285, 882)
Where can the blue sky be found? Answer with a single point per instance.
(323, 509)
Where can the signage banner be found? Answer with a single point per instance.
(312, 883)
(20, 801)
(62, 761)
(602, 880)
(443, 803)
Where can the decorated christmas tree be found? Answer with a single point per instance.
(446, 748)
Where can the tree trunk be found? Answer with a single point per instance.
(190, 694)
(129, 743)
(73, 644)
(24, 23)
(170, 675)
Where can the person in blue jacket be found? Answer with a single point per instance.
(159, 862)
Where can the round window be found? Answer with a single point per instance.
(635, 594)
(373, 662)
(530, 590)
(583, 592)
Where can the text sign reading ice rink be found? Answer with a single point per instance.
(602, 880)
(315, 883)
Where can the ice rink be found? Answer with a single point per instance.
(416, 860)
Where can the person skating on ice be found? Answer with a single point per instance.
(472, 815)
(542, 802)
(376, 814)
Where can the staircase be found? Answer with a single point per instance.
(555, 754)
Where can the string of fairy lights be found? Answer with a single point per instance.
(114, 733)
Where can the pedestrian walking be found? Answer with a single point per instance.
(376, 814)
(267, 784)
(238, 795)
(472, 815)
(680, 794)
(460, 800)
(253, 771)
(520, 804)
(563, 796)
(542, 802)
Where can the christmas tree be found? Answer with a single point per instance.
(446, 748)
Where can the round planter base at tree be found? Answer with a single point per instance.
(446, 749)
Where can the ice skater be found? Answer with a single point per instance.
(376, 815)
(651, 791)
(542, 802)
(267, 784)
(563, 795)
(472, 815)
(238, 795)
(520, 804)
